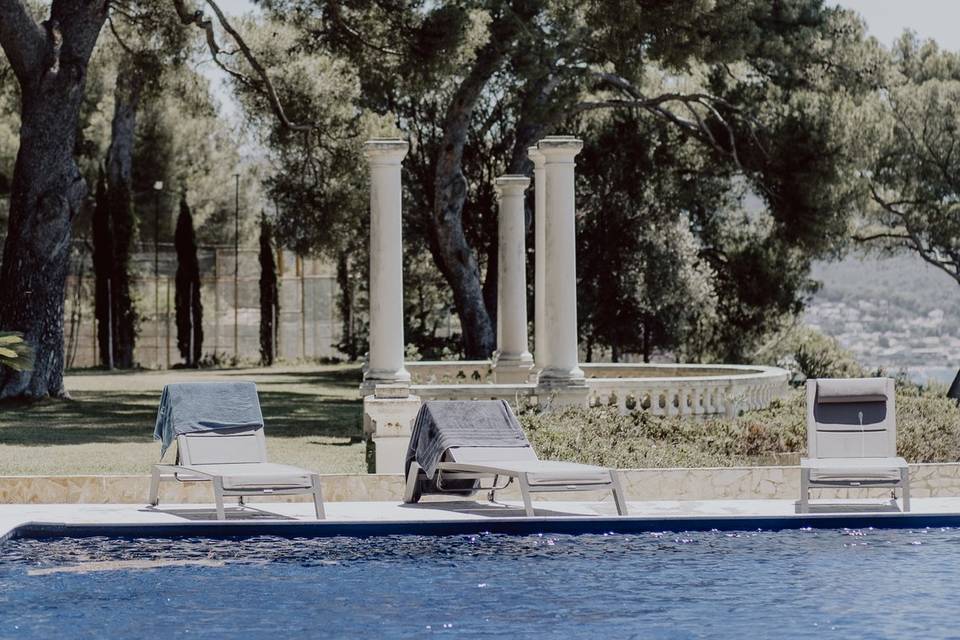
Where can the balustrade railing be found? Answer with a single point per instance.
(668, 390)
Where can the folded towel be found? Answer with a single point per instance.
(442, 424)
(187, 407)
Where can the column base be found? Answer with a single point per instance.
(556, 377)
(373, 378)
(557, 396)
(510, 369)
(387, 422)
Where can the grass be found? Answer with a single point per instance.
(313, 416)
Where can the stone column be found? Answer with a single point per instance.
(385, 361)
(539, 255)
(560, 368)
(512, 361)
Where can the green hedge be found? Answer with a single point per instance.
(928, 431)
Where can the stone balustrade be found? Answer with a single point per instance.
(447, 372)
(670, 390)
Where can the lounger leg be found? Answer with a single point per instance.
(155, 487)
(409, 492)
(804, 491)
(905, 481)
(317, 496)
(525, 493)
(618, 497)
(218, 498)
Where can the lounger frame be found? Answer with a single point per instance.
(513, 470)
(204, 455)
(882, 439)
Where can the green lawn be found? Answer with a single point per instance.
(313, 416)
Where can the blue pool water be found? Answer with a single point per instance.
(797, 584)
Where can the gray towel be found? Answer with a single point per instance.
(442, 424)
(187, 407)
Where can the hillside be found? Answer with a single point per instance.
(898, 313)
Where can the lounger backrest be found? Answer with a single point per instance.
(223, 447)
(851, 418)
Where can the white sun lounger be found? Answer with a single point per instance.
(852, 438)
(235, 462)
(463, 466)
(219, 433)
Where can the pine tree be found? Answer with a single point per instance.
(187, 297)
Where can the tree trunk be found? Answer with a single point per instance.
(451, 251)
(348, 341)
(119, 199)
(50, 63)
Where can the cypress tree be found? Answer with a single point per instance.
(102, 270)
(269, 299)
(189, 310)
(119, 203)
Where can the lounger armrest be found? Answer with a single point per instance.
(176, 468)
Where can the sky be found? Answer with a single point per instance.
(887, 19)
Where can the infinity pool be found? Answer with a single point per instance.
(798, 584)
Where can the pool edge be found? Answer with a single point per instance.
(507, 526)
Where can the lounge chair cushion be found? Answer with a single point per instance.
(854, 469)
(539, 472)
(846, 477)
(838, 390)
(254, 475)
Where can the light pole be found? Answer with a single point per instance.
(236, 268)
(157, 188)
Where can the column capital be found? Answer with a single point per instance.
(385, 151)
(512, 184)
(560, 148)
(538, 158)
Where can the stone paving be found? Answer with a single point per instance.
(12, 516)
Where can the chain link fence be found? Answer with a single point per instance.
(308, 328)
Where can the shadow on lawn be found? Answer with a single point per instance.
(129, 417)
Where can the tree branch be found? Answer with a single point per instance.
(334, 8)
(262, 81)
(22, 39)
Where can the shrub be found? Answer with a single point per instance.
(15, 353)
(928, 430)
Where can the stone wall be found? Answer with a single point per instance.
(774, 483)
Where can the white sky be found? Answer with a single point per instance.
(887, 19)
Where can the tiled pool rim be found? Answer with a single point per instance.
(600, 525)
(724, 483)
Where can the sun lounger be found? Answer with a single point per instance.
(457, 444)
(852, 438)
(218, 428)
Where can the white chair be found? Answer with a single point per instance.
(462, 467)
(852, 438)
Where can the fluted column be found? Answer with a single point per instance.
(512, 361)
(385, 361)
(540, 354)
(560, 367)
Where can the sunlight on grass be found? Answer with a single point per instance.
(312, 415)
